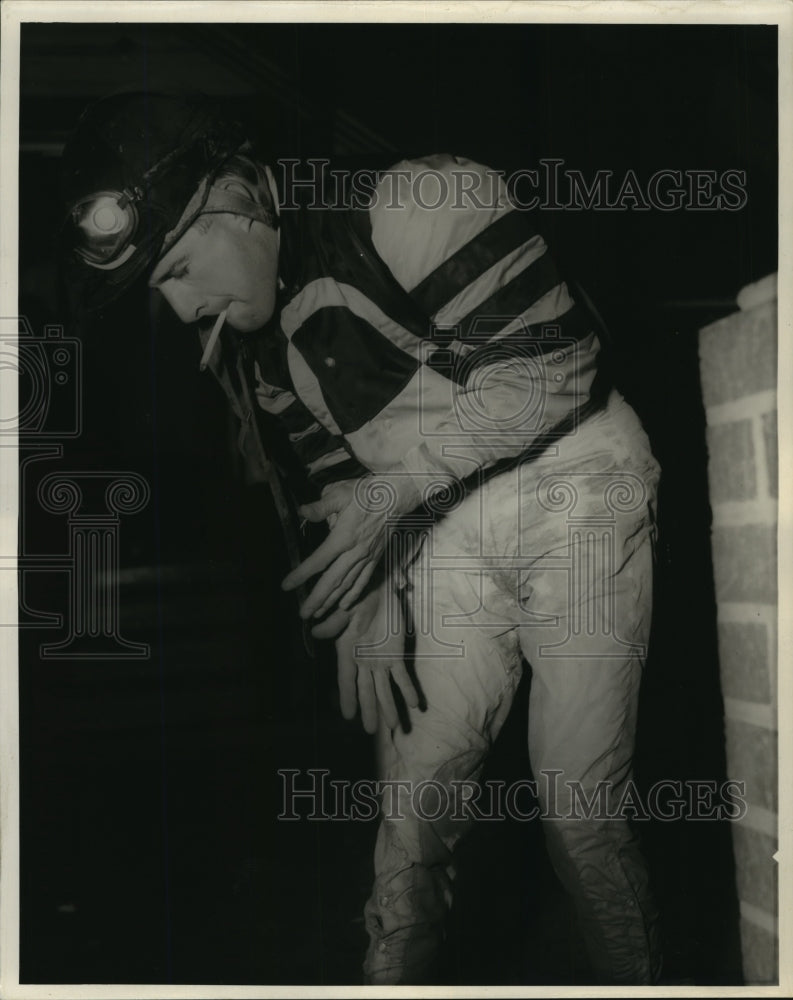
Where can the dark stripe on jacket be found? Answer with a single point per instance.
(509, 301)
(531, 341)
(471, 260)
(359, 370)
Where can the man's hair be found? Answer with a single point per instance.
(242, 167)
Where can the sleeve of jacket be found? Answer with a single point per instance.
(519, 354)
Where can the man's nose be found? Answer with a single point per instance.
(185, 302)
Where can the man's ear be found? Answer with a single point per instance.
(237, 186)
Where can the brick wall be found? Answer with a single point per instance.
(738, 365)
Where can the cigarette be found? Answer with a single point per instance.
(213, 339)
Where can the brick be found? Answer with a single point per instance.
(738, 355)
(743, 655)
(731, 471)
(755, 869)
(759, 949)
(752, 758)
(758, 292)
(771, 452)
(744, 563)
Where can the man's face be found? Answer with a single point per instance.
(222, 262)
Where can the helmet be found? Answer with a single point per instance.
(131, 167)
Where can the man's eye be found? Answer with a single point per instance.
(178, 269)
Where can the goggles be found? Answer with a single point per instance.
(105, 223)
(116, 226)
(104, 226)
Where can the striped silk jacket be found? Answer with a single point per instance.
(428, 334)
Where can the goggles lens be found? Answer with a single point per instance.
(104, 225)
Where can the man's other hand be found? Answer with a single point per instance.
(370, 654)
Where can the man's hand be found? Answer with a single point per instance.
(358, 514)
(365, 674)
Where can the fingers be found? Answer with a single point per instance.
(332, 626)
(403, 681)
(365, 681)
(317, 511)
(382, 684)
(321, 599)
(368, 701)
(373, 689)
(334, 501)
(346, 672)
(321, 557)
(357, 588)
(342, 589)
(319, 560)
(346, 559)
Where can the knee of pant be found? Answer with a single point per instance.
(410, 841)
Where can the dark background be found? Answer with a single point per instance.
(150, 846)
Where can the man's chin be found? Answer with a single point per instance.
(246, 322)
